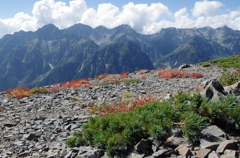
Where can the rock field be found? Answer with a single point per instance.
(38, 125)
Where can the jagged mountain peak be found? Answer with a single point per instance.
(52, 55)
(48, 27)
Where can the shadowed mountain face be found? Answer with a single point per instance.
(50, 55)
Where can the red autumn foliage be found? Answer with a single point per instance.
(76, 83)
(102, 76)
(121, 107)
(124, 75)
(53, 89)
(20, 92)
(73, 84)
(143, 77)
(140, 70)
(64, 83)
(177, 74)
(195, 75)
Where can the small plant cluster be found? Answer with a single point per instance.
(165, 74)
(39, 90)
(123, 106)
(189, 112)
(103, 76)
(229, 78)
(75, 83)
(124, 75)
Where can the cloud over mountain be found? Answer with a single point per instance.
(143, 18)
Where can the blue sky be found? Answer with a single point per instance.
(145, 16)
(8, 10)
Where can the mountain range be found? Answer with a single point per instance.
(50, 55)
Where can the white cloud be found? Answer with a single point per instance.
(182, 19)
(231, 20)
(208, 8)
(105, 15)
(143, 18)
(139, 16)
(58, 13)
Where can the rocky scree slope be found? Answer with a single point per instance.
(39, 125)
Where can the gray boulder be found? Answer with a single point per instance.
(213, 90)
(233, 89)
(183, 66)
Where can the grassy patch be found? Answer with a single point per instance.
(129, 81)
(228, 62)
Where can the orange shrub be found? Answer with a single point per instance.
(124, 75)
(195, 75)
(120, 107)
(171, 74)
(102, 76)
(53, 89)
(140, 70)
(73, 84)
(64, 83)
(20, 92)
(177, 74)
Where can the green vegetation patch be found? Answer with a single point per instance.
(228, 62)
(39, 90)
(189, 112)
(102, 84)
(229, 78)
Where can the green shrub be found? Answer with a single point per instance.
(221, 112)
(124, 130)
(187, 101)
(192, 125)
(77, 139)
(189, 112)
(205, 64)
(227, 62)
(39, 90)
(74, 99)
(229, 78)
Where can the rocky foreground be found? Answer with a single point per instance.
(39, 125)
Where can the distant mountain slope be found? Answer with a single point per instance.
(194, 51)
(50, 55)
(116, 58)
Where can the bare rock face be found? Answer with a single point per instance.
(233, 89)
(213, 90)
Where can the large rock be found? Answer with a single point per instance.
(227, 144)
(214, 131)
(213, 90)
(233, 89)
